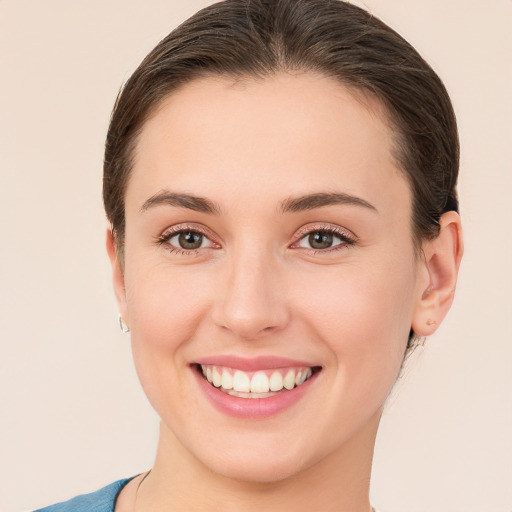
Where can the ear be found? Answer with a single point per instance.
(439, 270)
(117, 274)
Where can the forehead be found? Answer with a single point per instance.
(275, 137)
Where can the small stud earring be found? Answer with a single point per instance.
(431, 322)
(124, 328)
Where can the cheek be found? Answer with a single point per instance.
(163, 305)
(364, 318)
(165, 309)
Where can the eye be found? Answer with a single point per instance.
(185, 240)
(188, 240)
(323, 239)
(319, 240)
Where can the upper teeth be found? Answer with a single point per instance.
(262, 381)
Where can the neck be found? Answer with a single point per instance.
(339, 482)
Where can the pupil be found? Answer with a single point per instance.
(190, 240)
(320, 240)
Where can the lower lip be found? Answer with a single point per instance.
(253, 408)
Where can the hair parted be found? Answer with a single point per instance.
(258, 38)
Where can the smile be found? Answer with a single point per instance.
(259, 384)
(254, 388)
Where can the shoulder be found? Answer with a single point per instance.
(102, 500)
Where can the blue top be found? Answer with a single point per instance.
(100, 501)
(103, 500)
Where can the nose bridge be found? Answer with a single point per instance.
(251, 303)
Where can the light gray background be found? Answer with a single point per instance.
(72, 416)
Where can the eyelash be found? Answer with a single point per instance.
(177, 230)
(347, 239)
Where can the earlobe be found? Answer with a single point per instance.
(117, 274)
(441, 261)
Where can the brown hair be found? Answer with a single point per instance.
(257, 38)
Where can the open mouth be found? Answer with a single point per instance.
(258, 384)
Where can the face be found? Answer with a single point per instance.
(269, 250)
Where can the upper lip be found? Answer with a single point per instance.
(254, 363)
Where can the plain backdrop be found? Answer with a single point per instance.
(72, 415)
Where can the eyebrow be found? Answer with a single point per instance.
(290, 205)
(181, 200)
(318, 200)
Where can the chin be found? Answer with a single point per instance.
(259, 470)
(262, 459)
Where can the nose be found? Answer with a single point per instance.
(252, 302)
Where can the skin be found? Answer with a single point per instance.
(255, 288)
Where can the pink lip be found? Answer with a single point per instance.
(252, 364)
(253, 408)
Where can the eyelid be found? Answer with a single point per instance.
(344, 234)
(187, 226)
(171, 231)
(332, 228)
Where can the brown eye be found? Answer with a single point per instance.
(324, 240)
(320, 240)
(189, 240)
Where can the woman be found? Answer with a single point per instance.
(280, 182)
